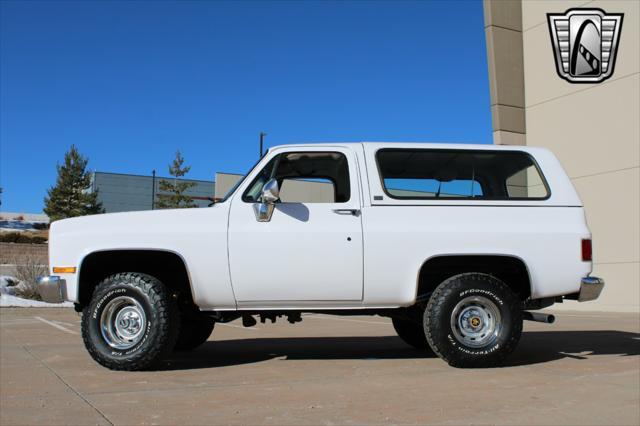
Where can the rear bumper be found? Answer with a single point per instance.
(590, 288)
(52, 289)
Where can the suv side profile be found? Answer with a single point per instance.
(457, 244)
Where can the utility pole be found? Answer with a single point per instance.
(262, 135)
(153, 189)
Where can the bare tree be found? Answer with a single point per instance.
(28, 268)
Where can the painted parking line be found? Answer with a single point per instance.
(53, 324)
(62, 323)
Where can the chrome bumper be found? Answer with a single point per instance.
(590, 288)
(52, 289)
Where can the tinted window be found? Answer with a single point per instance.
(487, 175)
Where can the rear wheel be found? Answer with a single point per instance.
(131, 323)
(194, 331)
(411, 332)
(473, 320)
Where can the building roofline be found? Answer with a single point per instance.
(232, 174)
(151, 176)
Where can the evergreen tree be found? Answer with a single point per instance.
(71, 195)
(174, 190)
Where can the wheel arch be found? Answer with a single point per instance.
(166, 265)
(509, 268)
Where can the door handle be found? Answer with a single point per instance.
(352, 212)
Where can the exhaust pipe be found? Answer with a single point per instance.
(537, 316)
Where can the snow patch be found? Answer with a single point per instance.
(7, 284)
(8, 298)
(10, 301)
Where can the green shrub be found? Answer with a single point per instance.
(9, 237)
(21, 237)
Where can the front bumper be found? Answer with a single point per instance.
(590, 288)
(52, 289)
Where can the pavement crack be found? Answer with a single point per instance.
(71, 388)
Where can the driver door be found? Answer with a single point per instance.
(311, 248)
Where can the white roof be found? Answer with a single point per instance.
(414, 145)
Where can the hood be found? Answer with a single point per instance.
(139, 222)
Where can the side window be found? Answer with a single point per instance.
(485, 175)
(433, 187)
(526, 183)
(305, 177)
(252, 194)
(428, 174)
(307, 191)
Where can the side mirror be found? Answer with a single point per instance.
(270, 192)
(268, 197)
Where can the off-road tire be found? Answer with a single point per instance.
(162, 322)
(438, 320)
(411, 332)
(194, 331)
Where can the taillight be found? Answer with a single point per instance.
(586, 250)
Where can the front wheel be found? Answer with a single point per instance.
(473, 320)
(131, 323)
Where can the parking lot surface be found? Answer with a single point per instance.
(584, 369)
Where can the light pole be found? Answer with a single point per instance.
(153, 189)
(262, 135)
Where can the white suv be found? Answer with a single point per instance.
(455, 243)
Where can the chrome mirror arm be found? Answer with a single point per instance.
(263, 211)
(268, 197)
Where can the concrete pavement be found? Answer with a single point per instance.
(585, 369)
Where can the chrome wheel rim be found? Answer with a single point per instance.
(476, 322)
(122, 322)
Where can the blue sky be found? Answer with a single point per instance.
(131, 82)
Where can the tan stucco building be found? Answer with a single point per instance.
(593, 128)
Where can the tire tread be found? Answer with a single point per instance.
(435, 307)
(166, 313)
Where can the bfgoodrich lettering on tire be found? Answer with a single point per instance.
(131, 323)
(473, 320)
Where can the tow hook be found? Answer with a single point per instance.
(538, 317)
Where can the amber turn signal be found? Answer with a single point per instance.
(64, 269)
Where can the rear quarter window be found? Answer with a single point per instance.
(460, 174)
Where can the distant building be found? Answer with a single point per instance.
(125, 192)
(22, 217)
(225, 182)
